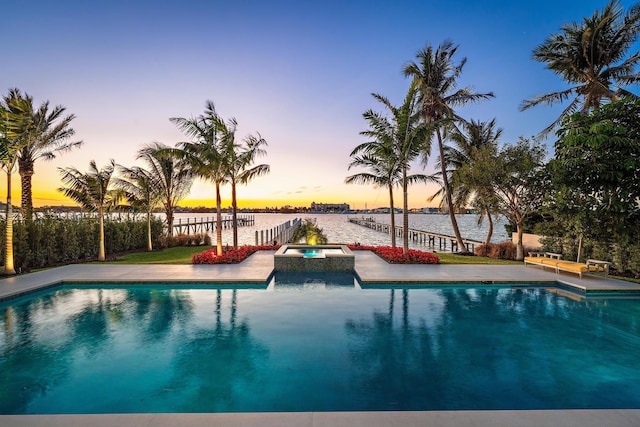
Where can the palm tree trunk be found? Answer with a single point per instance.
(168, 212)
(8, 254)
(447, 194)
(149, 244)
(405, 211)
(101, 254)
(490, 231)
(25, 169)
(218, 220)
(393, 217)
(234, 213)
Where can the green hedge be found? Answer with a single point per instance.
(52, 240)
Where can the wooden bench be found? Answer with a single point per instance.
(555, 261)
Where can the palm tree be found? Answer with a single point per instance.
(46, 136)
(410, 137)
(238, 158)
(142, 191)
(171, 177)
(14, 121)
(93, 191)
(310, 232)
(383, 172)
(590, 56)
(436, 76)
(466, 146)
(379, 157)
(204, 155)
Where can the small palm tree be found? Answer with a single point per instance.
(383, 171)
(204, 155)
(46, 136)
(238, 159)
(436, 76)
(13, 122)
(310, 232)
(142, 191)
(590, 56)
(93, 191)
(379, 157)
(171, 177)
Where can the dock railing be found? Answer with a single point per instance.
(205, 224)
(278, 235)
(421, 237)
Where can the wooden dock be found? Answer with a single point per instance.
(206, 224)
(419, 237)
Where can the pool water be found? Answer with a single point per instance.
(309, 344)
(315, 253)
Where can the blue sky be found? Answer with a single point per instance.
(299, 72)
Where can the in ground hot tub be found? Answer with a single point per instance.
(314, 258)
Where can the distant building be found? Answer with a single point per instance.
(381, 210)
(329, 207)
(430, 210)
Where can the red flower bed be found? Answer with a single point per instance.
(229, 255)
(395, 255)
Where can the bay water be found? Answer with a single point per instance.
(338, 229)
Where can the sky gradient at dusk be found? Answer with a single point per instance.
(299, 72)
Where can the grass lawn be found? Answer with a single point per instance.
(177, 255)
(446, 258)
(628, 279)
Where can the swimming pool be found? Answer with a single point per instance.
(314, 344)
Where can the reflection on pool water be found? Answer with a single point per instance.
(314, 344)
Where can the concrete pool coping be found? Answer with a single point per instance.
(371, 270)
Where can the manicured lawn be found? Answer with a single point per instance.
(177, 255)
(628, 279)
(446, 258)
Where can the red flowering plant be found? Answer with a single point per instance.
(396, 255)
(229, 255)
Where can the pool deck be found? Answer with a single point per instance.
(372, 271)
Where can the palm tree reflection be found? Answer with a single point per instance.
(485, 349)
(217, 364)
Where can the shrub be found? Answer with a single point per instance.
(504, 250)
(396, 255)
(229, 255)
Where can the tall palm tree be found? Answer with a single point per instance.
(590, 55)
(94, 191)
(46, 136)
(14, 121)
(436, 76)
(467, 142)
(171, 177)
(410, 136)
(238, 158)
(142, 191)
(204, 155)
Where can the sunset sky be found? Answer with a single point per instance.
(299, 72)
